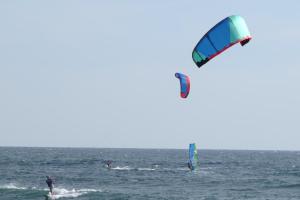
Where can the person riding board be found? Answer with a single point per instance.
(108, 163)
(49, 182)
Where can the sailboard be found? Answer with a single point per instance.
(193, 157)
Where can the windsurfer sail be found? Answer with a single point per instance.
(193, 157)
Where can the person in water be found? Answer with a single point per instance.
(49, 182)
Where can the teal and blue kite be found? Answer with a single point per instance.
(229, 31)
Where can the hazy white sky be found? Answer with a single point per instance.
(101, 74)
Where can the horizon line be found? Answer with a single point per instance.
(146, 148)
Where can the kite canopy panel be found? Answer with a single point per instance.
(223, 35)
(184, 84)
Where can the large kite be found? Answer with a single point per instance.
(223, 35)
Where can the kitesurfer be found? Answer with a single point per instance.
(49, 182)
(108, 163)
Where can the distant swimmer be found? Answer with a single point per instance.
(49, 182)
(108, 163)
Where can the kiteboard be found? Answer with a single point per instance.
(49, 196)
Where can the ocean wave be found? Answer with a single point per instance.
(122, 168)
(57, 192)
(242, 189)
(296, 185)
(127, 168)
(183, 169)
(145, 169)
(12, 186)
(213, 163)
(176, 169)
(64, 193)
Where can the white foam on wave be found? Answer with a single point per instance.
(12, 186)
(122, 168)
(183, 169)
(177, 169)
(167, 169)
(64, 193)
(146, 169)
(57, 192)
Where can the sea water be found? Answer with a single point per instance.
(79, 173)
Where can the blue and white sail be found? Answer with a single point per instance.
(193, 157)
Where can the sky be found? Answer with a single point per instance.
(101, 74)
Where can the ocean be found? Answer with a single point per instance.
(142, 174)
